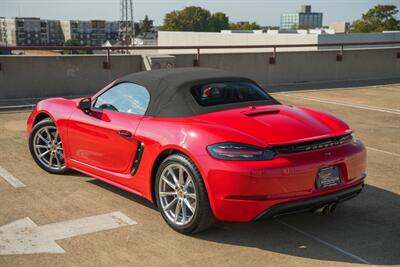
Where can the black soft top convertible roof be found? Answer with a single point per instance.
(170, 95)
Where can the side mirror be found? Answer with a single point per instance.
(85, 104)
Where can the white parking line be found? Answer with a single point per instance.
(11, 179)
(23, 236)
(383, 151)
(351, 255)
(392, 111)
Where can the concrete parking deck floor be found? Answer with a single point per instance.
(365, 230)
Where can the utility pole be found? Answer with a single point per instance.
(126, 24)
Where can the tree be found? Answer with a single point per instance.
(377, 19)
(146, 25)
(171, 22)
(201, 20)
(189, 19)
(136, 26)
(75, 52)
(245, 26)
(71, 42)
(219, 21)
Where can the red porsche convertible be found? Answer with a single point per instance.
(203, 145)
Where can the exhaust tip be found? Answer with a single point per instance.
(330, 208)
(326, 210)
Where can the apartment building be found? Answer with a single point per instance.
(36, 31)
(7, 31)
(92, 32)
(51, 33)
(20, 31)
(30, 32)
(112, 30)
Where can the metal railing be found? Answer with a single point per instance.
(196, 62)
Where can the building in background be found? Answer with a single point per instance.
(20, 31)
(7, 31)
(146, 39)
(271, 37)
(77, 31)
(340, 27)
(91, 32)
(30, 32)
(40, 32)
(111, 30)
(98, 34)
(305, 19)
(51, 33)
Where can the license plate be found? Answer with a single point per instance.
(328, 176)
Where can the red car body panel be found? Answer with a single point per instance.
(237, 190)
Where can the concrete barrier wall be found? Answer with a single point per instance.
(42, 76)
(166, 38)
(172, 38)
(310, 66)
(48, 76)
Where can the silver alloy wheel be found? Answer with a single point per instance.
(48, 148)
(177, 194)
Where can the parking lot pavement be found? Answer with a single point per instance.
(363, 231)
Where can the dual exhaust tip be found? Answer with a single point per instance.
(329, 208)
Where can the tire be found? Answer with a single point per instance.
(49, 145)
(201, 217)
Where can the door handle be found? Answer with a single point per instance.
(125, 134)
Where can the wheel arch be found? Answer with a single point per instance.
(161, 157)
(41, 116)
(36, 117)
(41, 119)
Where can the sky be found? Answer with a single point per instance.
(264, 12)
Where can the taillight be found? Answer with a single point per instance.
(237, 151)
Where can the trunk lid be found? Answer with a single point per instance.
(279, 124)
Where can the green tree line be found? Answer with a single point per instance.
(377, 19)
(198, 19)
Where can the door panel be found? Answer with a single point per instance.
(101, 139)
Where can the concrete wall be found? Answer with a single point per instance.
(216, 38)
(45, 76)
(213, 38)
(310, 66)
(359, 38)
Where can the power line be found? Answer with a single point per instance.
(126, 24)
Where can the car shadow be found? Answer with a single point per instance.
(367, 226)
(123, 193)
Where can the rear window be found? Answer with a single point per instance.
(221, 93)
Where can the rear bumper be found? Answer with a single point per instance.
(241, 191)
(311, 204)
